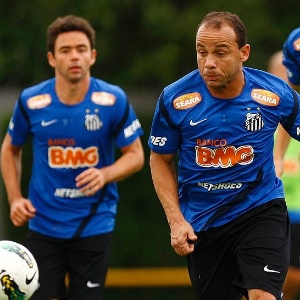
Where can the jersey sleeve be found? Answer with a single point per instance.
(290, 113)
(19, 127)
(291, 56)
(164, 136)
(127, 127)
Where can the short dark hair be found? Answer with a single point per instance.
(66, 24)
(217, 19)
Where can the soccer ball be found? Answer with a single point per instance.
(19, 272)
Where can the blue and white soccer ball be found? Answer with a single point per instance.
(19, 272)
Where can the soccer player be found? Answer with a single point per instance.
(225, 208)
(75, 121)
(291, 60)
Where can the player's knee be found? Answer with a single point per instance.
(256, 294)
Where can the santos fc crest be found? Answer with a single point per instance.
(254, 121)
(92, 122)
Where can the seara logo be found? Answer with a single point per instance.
(265, 97)
(187, 101)
(103, 98)
(39, 101)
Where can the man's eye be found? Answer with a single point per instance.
(64, 51)
(82, 49)
(202, 53)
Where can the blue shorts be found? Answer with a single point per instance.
(250, 252)
(85, 260)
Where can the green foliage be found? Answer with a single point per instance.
(140, 43)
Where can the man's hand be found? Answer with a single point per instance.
(182, 238)
(21, 210)
(91, 181)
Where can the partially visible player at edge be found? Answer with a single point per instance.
(291, 60)
(225, 208)
(75, 122)
(287, 161)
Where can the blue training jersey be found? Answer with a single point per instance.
(67, 139)
(291, 56)
(224, 146)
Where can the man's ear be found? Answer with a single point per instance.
(51, 59)
(93, 56)
(245, 52)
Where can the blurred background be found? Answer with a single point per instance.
(142, 46)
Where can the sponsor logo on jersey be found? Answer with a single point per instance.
(132, 128)
(220, 186)
(92, 122)
(289, 73)
(297, 45)
(158, 140)
(192, 123)
(61, 142)
(39, 101)
(187, 101)
(68, 193)
(265, 97)
(48, 123)
(254, 121)
(103, 98)
(11, 124)
(72, 157)
(214, 143)
(224, 157)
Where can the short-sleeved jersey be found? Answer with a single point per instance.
(291, 56)
(224, 146)
(66, 140)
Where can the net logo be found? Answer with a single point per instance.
(131, 129)
(224, 157)
(69, 157)
(220, 186)
(158, 140)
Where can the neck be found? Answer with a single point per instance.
(71, 92)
